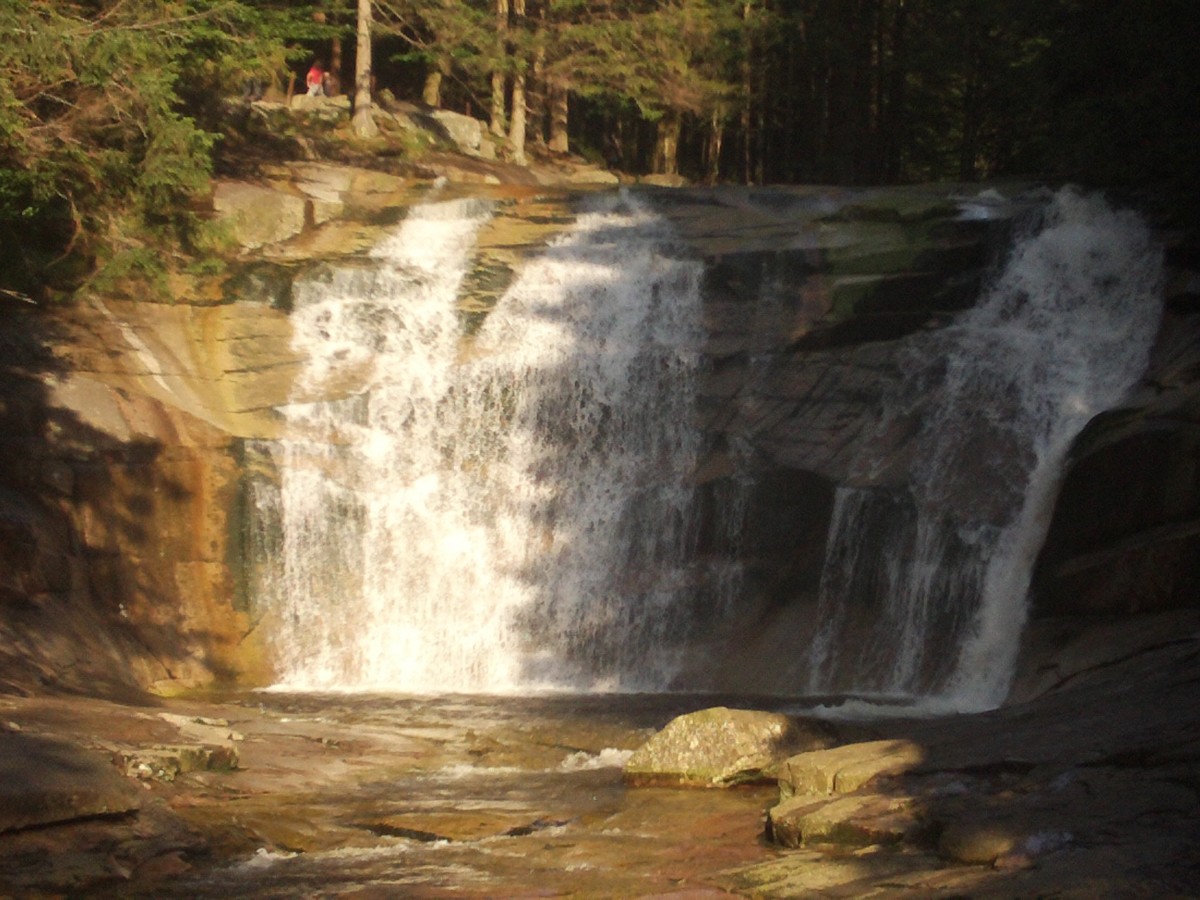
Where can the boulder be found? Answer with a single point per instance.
(326, 110)
(977, 843)
(466, 133)
(719, 747)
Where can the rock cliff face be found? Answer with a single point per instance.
(126, 420)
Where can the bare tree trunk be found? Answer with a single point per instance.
(431, 90)
(895, 118)
(516, 128)
(560, 111)
(333, 83)
(364, 121)
(666, 144)
(712, 149)
(537, 93)
(747, 111)
(497, 119)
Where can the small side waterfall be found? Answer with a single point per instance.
(501, 512)
(925, 582)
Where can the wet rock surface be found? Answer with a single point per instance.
(420, 797)
(1089, 789)
(45, 781)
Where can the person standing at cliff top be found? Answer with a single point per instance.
(316, 81)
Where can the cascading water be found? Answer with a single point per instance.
(924, 587)
(512, 510)
(501, 512)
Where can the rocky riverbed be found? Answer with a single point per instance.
(1088, 789)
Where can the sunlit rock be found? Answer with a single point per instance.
(842, 770)
(720, 747)
(465, 131)
(257, 215)
(859, 819)
(327, 110)
(169, 762)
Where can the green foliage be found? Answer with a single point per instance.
(228, 41)
(111, 111)
(655, 57)
(94, 119)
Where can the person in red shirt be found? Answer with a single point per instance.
(316, 81)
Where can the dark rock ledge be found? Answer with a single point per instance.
(1089, 789)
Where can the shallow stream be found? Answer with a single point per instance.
(460, 796)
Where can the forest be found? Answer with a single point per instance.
(111, 120)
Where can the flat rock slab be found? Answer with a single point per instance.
(845, 769)
(719, 747)
(448, 825)
(44, 781)
(817, 873)
(858, 820)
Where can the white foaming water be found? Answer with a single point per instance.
(499, 513)
(924, 589)
(608, 758)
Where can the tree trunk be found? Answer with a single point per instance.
(333, 84)
(516, 128)
(712, 148)
(747, 111)
(559, 119)
(497, 118)
(896, 139)
(537, 93)
(364, 121)
(968, 153)
(666, 144)
(431, 92)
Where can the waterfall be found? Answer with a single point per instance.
(511, 507)
(924, 587)
(503, 511)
